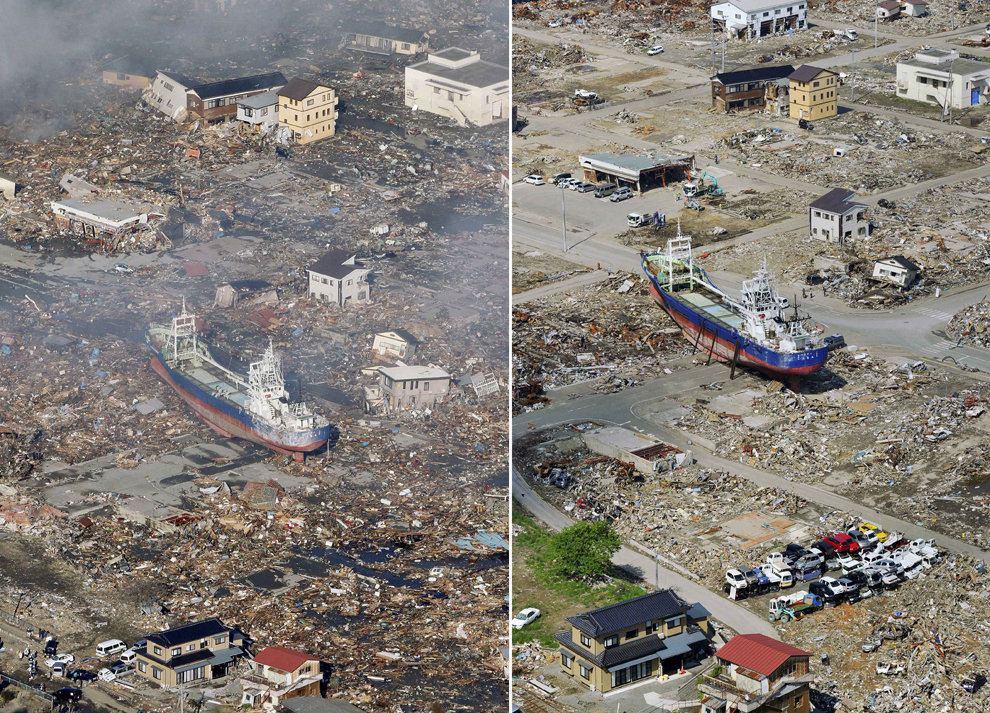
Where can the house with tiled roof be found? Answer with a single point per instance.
(276, 674)
(757, 674)
(200, 651)
(640, 638)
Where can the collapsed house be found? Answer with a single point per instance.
(112, 225)
(181, 98)
(747, 88)
(758, 18)
(379, 38)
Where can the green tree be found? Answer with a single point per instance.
(581, 551)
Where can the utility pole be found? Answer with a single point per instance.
(852, 76)
(876, 21)
(563, 213)
(723, 52)
(949, 87)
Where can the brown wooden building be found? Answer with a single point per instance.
(218, 100)
(745, 89)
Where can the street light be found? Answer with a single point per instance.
(563, 213)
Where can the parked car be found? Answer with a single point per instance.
(110, 647)
(828, 593)
(557, 177)
(107, 675)
(842, 543)
(621, 194)
(602, 190)
(655, 50)
(526, 616)
(129, 656)
(584, 187)
(80, 674)
(534, 179)
(834, 341)
(67, 695)
(58, 670)
(566, 182)
(59, 658)
(119, 668)
(822, 548)
(863, 540)
(51, 646)
(869, 528)
(735, 578)
(851, 590)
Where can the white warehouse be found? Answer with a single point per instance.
(939, 77)
(460, 85)
(756, 18)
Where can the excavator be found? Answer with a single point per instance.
(692, 189)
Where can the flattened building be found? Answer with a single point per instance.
(460, 85)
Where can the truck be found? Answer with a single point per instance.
(780, 577)
(793, 606)
(736, 585)
(913, 565)
(923, 547)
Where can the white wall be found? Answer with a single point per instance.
(909, 85)
(171, 102)
(825, 226)
(477, 105)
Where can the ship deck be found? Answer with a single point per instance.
(213, 380)
(713, 311)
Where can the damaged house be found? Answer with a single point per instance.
(277, 674)
(745, 89)
(942, 78)
(835, 217)
(458, 84)
(750, 19)
(128, 72)
(403, 387)
(897, 270)
(181, 98)
(639, 173)
(337, 278)
(113, 225)
(758, 675)
(396, 343)
(382, 39)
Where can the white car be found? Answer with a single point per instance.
(106, 674)
(655, 49)
(526, 616)
(534, 179)
(60, 658)
(555, 23)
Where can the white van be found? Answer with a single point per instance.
(128, 657)
(110, 648)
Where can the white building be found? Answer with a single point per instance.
(915, 8)
(897, 269)
(460, 85)
(888, 10)
(757, 18)
(260, 111)
(396, 343)
(336, 278)
(941, 77)
(411, 387)
(836, 218)
(8, 186)
(167, 93)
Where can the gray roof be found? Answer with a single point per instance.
(454, 54)
(332, 264)
(476, 74)
(902, 261)
(890, 5)
(640, 647)
(240, 85)
(183, 80)
(400, 332)
(190, 632)
(837, 200)
(807, 72)
(106, 209)
(754, 75)
(315, 704)
(621, 616)
(129, 64)
(961, 67)
(381, 29)
(634, 163)
(256, 101)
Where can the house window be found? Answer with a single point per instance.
(248, 112)
(426, 386)
(177, 651)
(219, 639)
(632, 634)
(190, 647)
(307, 117)
(405, 45)
(168, 86)
(121, 76)
(349, 283)
(611, 641)
(585, 671)
(142, 666)
(156, 672)
(675, 622)
(309, 102)
(566, 660)
(815, 84)
(922, 80)
(585, 641)
(158, 650)
(263, 111)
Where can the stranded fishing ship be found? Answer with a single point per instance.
(257, 408)
(754, 331)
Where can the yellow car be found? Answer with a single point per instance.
(867, 527)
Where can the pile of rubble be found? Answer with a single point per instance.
(940, 16)
(612, 332)
(972, 325)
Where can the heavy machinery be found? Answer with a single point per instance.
(692, 189)
(793, 606)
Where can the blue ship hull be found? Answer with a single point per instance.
(726, 344)
(232, 421)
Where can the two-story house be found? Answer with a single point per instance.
(259, 112)
(129, 72)
(396, 343)
(412, 387)
(649, 636)
(835, 217)
(181, 97)
(745, 89)
(203, 650)
(383, 39)
(757, 18)
(308, 110)
(757, 674)
(458, 84)
(277, 674)
(337, 278)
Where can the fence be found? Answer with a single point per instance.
(30, 689)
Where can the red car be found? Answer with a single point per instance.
(842, 542)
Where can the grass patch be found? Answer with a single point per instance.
(556, 599)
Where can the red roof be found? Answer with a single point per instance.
(758, 652)
(281, 658)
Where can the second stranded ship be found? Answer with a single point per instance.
(256, 408)
(759, 330)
